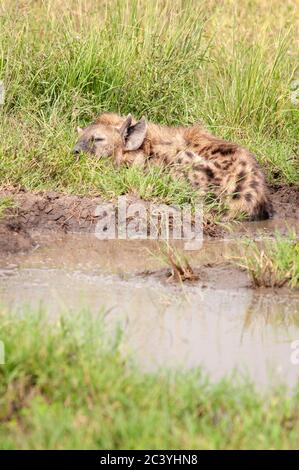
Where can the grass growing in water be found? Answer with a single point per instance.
(63, 387)
(273, 262)
(175, 258)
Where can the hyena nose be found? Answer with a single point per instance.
(77, 150)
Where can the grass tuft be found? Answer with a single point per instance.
(180, 267)
(273, 262)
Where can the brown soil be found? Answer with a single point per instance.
(59, 212)
(218, 275)
(44, 211)
(52, 211)
(14, 238)
(285, 201)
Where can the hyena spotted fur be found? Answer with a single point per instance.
(209, 163)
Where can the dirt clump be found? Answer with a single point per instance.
(285, 201)
(14, 238)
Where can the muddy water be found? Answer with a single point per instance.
(220, 323)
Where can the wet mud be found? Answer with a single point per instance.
(50, 211)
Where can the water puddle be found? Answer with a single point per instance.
(221, 324)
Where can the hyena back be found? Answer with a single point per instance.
(208, 163)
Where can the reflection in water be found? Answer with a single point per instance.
(280, 311)
(163, 326)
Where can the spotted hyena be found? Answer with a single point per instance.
(209, 163)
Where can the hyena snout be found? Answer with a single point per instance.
(77, 150)
(81, 147)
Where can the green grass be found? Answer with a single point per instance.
(272, 262)
(5, 203)
(228, 64)
(63, 387)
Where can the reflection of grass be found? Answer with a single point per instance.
(5, 203)
(64, 387)
(272, 263)
(272, 309)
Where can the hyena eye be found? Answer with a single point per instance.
(98, 139)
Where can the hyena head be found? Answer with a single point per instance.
(111, 137)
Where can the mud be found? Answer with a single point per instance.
(285, 201)
(218, 275)
(130, 258)
(14, 237)
(53, 211)
(64, 213)
(73, 214)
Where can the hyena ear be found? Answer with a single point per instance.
(133, 136)
(79, 130)
(125, 126)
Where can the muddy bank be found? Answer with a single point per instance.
(218, 275)
(52, 211)
(66, 213)
(48, 211)
(285, 201)
(73, 214)
(14, 237)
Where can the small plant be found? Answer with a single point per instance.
(176, 260)
(272, 263)
(5, 203)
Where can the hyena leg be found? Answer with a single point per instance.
(207, 177)
(248, 197)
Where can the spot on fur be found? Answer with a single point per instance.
(224, 149)
(254, 184)
(248, 197)
(241, 174)
(209, 172)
